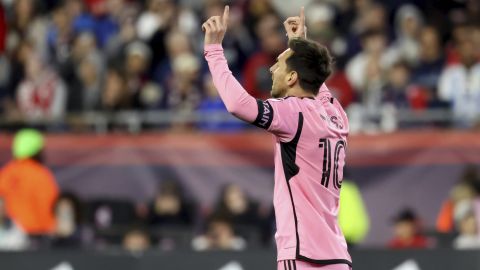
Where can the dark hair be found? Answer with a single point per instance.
(406, 214)
(369, 33)
(401, 64)
(311, 61)
(221, 206)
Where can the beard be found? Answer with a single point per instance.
(277, 92)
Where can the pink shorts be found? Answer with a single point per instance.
(301, 265)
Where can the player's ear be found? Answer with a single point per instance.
(292, 78)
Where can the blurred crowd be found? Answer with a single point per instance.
(169, 222)
(36, 214)
(60, 58)
(458, 221)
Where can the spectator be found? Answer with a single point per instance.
(164, 14)
(28, 186)
(82, 21)
(472, 8)
(63, 33)
(320, 17)
(366, 73)
(136, 240)
(219, 236)
(467, 227)
(256, 74)
(60, 36)
(459, 85)
(42, 94)
(184, 89)
(476, 37)
(367, 16)
(83, 73)
(152, 96)
(399, 83)
(175, 19)
(407, 232)
(176, 44)
(462, 31)
(235, 205)
(90, 71)
(116, 44)
(255, 11)
(158, 15)
(430, 64)
(243, 212)
(408, 22)
(70, 231)
(170, 206)
(106, 18)
(366, 69)
(26, 24)
(110, 218)
(466, 189)
(115, 94)
(16, 73)
(137, 61)
(11, 236)
(238, 43)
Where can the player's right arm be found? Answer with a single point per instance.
(263, 114)
(236, 99)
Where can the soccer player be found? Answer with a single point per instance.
(310, 129)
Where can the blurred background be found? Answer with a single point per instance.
(117, 152)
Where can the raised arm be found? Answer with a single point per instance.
(235, 97)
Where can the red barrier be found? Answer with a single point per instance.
(419, 148)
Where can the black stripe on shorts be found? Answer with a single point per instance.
(291, 265)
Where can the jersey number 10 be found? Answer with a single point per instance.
(327, 162)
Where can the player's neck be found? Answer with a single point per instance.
(298, 92)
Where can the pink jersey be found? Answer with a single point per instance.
(310, 143)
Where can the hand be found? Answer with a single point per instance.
(295, 26)
(215, 28)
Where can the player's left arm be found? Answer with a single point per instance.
(295, 26)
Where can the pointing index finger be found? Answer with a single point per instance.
(225, 15)
(302, 16)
